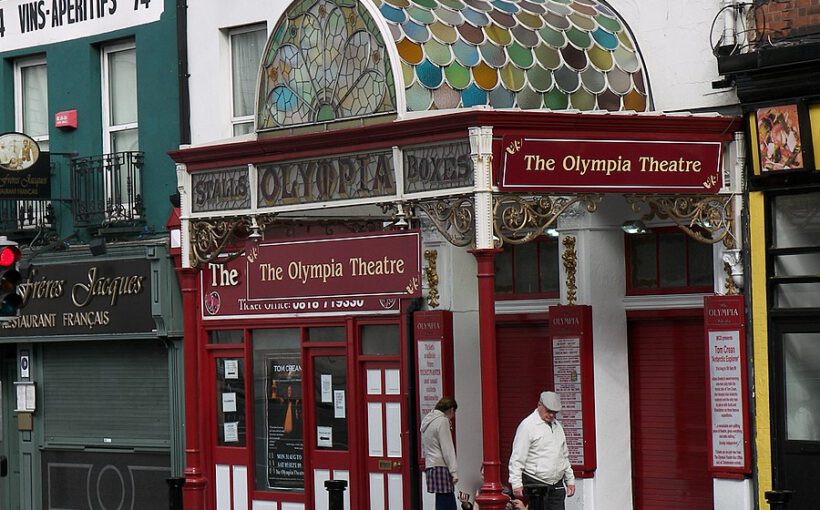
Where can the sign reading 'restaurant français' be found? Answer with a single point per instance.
(28, 23)
(331, 275)
(532, 164)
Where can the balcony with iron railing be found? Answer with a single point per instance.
(107, 191)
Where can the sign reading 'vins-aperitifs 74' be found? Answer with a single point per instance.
(531, 164)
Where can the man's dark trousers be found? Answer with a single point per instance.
(543, 496)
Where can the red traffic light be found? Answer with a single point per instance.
(9, 256)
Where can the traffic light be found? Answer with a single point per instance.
(10, 278)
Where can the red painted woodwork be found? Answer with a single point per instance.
(670, 464)
(524, 357)
(491, 497)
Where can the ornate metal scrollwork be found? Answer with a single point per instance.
(431, 272)
(693, 214)
(518, 219)
(210, 237)
(453, 218)
(570, 258)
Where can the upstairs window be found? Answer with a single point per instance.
(31, 99)
(665, 261)
(119, 86)
(528, 271)
(246, 44)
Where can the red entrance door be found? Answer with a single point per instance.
(667, 372)
(228, 429)
(329, 429)
(384, 423)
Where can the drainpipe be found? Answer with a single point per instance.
(182, 76)
(481, 138)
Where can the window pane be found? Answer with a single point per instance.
(548, 265)
(797, 265)
(797, 295)
(701, 269)
(642, 262)
(230, 401)
(35, 100)
(278, 412)
(122, 86)
(802, 369)
(242, 128)
(526, 268)
(230, 336)
(327, 334)
(125, 141)
(797, 220)
(672, 263)
(381, 340)
(246, 51)
(331, 416)
(503, 272)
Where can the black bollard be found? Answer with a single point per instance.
(335, 494)
(778, 499)
(536, 497)
(175, 492)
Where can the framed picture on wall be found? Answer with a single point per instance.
(779, 138)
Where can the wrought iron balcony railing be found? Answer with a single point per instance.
(107, 189)
(25, 215)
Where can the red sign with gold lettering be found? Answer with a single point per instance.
(535, 164)
(331, 275)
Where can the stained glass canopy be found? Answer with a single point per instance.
(328, 60)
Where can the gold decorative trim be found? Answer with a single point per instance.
(452, 217)
(691, 213)
(431, 272)
(570, 258)
(731, 288)
(519, 219)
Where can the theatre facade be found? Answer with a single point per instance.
(428, 210)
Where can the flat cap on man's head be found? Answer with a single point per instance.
(550, 400)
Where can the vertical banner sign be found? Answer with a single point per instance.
(433, 334)
(284, 431)
(571, 333)
(729, 445)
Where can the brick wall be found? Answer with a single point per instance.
(785, 19)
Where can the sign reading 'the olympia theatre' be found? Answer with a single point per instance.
(532, 164)
(332, 275)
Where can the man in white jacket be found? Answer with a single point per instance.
(540, 459)
(440, 464)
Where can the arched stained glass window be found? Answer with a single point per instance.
(325, 61)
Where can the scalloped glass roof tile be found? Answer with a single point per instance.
(327, 59)
(419, 15)
(475, 17)
(466, 53)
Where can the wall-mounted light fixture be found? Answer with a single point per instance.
(634, 227)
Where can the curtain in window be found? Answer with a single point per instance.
(35, 100)
(122, 86)
(246, 52)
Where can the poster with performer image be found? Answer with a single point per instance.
(284, 414)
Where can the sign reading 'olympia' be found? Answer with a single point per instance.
(610, 165)
(331, 275)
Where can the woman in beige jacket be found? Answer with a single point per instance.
(440, 464)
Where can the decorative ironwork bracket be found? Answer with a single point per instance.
(693, 214)
(518, 219)
(570, 258)
(210, 237)
(453, 217)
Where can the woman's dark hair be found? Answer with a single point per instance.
(445, 404)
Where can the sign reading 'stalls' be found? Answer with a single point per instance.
(330, 275)
(533, 164)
